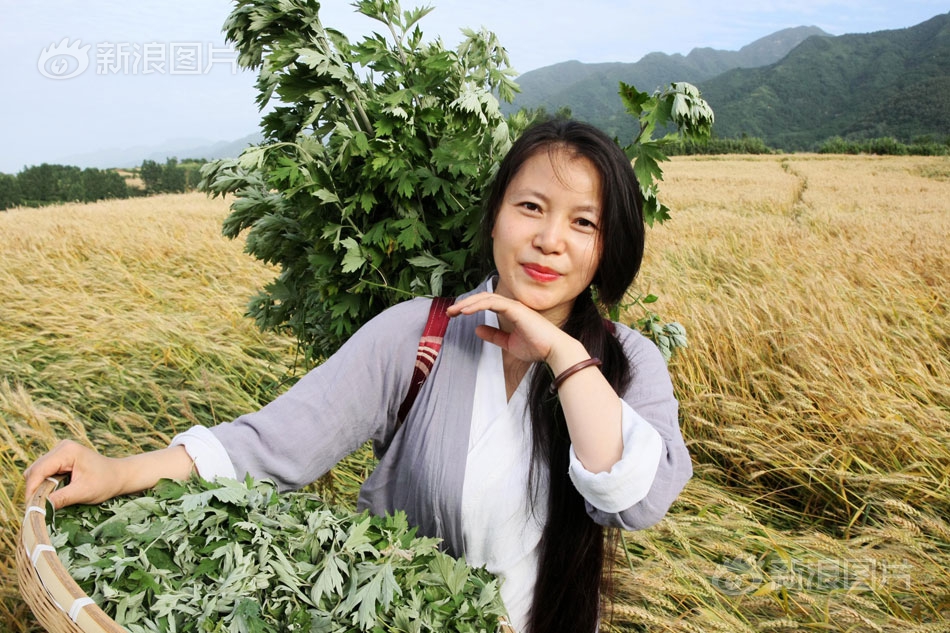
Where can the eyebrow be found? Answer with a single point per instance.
(591, 208)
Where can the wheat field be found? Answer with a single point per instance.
(815, 393)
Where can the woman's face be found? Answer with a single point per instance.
(546, 238)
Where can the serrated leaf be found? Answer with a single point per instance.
(426, 260)
(325, 195)
(353, 259)
(252, 158)
(633, 100)
(247, 617)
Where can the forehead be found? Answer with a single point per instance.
(559, 170)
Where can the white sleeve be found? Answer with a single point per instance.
(630, 479)
(207, 452)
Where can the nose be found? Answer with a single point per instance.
(550, 236)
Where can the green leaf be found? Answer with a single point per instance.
(451, 571)
(331, 579)
(143, 579)
(426, 260)
(633, 100)
(646, 159)
(252, 158)
(161, 559)
(358, 540)
(325, 195)
(361, 142)
(353, 260)
(247, 617)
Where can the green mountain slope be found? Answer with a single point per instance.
(890, 83)
(590, 90)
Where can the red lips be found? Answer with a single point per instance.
(541, 273)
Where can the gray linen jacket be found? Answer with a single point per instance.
(355, 395)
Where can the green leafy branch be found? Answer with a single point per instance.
(368, 188)
(668, 337)
(680, 106)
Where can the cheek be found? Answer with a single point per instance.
(592, 254)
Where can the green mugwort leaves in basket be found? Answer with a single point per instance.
(239, 557)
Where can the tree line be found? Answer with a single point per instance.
(45, 184)
(884, 146)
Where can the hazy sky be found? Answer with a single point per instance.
(159, 70)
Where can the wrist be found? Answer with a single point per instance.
(144, 470)
(570, 371)
(566, 355)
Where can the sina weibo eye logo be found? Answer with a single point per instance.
(63, 60)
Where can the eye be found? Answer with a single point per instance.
(531, 206)
(585, 223)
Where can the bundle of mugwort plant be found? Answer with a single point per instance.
(239, 557)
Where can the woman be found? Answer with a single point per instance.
(540, 423)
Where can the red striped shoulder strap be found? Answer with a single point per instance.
(429, 345)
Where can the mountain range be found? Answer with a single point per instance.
(590, 90)
(182, 148)
(793, 89)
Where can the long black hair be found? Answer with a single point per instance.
(572, 573)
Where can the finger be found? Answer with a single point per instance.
(66, 496)
(58, 461)
(491, 302)
(493, 335)
(475, 303)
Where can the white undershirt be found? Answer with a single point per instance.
(500, 527)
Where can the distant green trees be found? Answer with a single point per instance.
(10, 195)
(172, 177)
(45, 184)
(716, 145)
(884, 146)
(887, 146)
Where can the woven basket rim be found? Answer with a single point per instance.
(42, 577)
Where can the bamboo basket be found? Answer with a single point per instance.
(55, 598)
(46, 586)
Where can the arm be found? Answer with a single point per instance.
(94, 478)
(651, 410)
(351, 397)
(647, 474)
(591, 407)
(330, 412)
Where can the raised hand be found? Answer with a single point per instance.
(524, 333)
